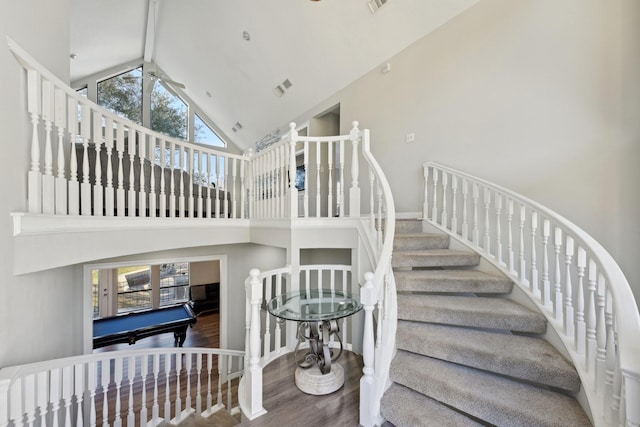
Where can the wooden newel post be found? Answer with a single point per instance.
(354, 191)
(253, 374)
(293, 191)
(369, 403)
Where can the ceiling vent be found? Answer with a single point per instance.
(374, 5)
(281, 89)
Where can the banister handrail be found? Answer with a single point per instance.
(585, 296)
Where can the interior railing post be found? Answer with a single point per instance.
(253, 374)
(354, 191)
(293, 191)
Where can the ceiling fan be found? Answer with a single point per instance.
(155, 75)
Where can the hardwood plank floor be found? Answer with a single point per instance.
(286, 405)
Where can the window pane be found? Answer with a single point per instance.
(174, 283)
(203, 134)
(134, 288)
(122, 94)
(83, 92)
(168, 112)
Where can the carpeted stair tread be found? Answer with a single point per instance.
(452, 281)
(407, 408)
(419, 240)
(434, 258)
(488, 397)
(479, 312)
(408, 226)
(527, 358)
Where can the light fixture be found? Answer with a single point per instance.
(208, 94)
(374, 5)
(246, 35)
(73, 55)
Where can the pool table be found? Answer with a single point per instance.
(134, 326)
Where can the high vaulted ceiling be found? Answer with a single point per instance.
(319, 46)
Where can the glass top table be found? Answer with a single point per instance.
(315, 305)
(317, 311)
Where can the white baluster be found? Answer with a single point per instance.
(610, 360)
(277, 333)
(267, 319)
(372, 211)
(142, 192)
(109, 194)
(534, 284)
(219, 187)
(354, 191)
(523, 263)
(104, 382)
(181, 184)
(425, 203)
(342, 186)
(167, 393)
(74, 184)
(155, 408)
(330, 211)
(144, 372)
(305, 156)
(117, 378)
(34, 176)
(131, 373)
(92, 385)
(380, 204)
(546, 283)
(120, 193)
(29, 399)
(163, 168)
(61, 182)
(557, 280)
(54, 395)
(153, 197)
(444, 216)
(67, 393)
(601, 335)
(131, 193)
(475, 230)
(512, 266)
(487, 225)
(498, 202)
(188, 371)
(568, 290)
(434, 196)
(318, 158)
(199, 384)
(79, 392)
(617, 394)
(454, 204)
(465, 198)
(580, 328)
(209, 179)
(85, 186)
(209, 372)
(178, 401)
(590, 318)
(172, 179)
(243, 190)
(48, 181)
(368, 383)
(98, 189)
(190, 159)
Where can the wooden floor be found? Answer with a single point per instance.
(285, 404)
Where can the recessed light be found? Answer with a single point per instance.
(279, 91)
(208, 94)
(246, 35)
(73, 55)
(287, 84)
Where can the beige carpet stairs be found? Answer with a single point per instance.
(466, 356)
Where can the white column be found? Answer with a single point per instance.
(253, 373)
(369, 403)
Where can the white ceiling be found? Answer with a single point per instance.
(320, 46)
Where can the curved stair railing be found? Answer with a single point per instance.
(572, 279)
(136, 387)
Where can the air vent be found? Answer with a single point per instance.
(374, 5)
(281, 89)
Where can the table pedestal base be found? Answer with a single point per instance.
(312, 381)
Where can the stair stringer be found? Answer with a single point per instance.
(521, 295)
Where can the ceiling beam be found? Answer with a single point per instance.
(149, 40)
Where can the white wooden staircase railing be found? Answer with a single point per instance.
(376, 290)
(144, 387)
(571, 278)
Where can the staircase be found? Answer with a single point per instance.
(466, 355)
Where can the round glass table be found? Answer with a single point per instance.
(317, 312)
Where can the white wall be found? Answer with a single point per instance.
(32, 326)
(539, 96)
